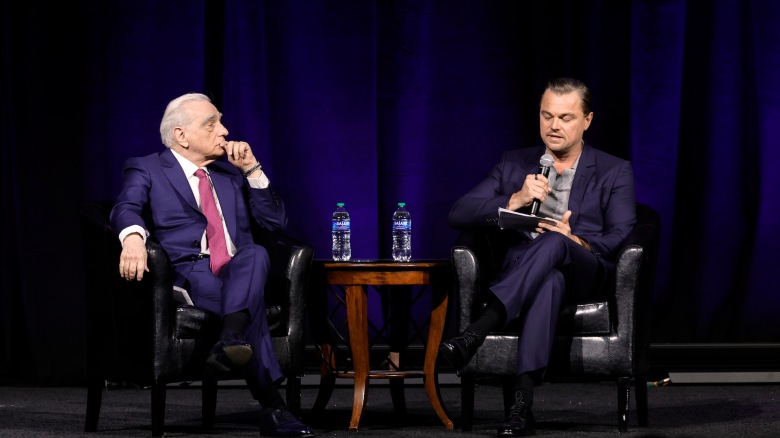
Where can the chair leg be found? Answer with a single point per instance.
(293, 393)
(508, 390)
(158, 408)
(327, 382)
(640, 388)
(209, 403)
(624, 389)
(467, 402)
(94, 399)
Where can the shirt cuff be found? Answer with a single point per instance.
(260, 182)
(133, 229)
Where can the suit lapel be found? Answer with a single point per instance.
(172, 170)
(586, 168)
(528, 166)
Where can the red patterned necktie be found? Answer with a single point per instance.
(214, 229)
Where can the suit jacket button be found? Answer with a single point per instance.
(196, 244)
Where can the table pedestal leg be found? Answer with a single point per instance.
(436, 329)
(357, 320)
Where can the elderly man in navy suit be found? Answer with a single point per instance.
(199, 208)
(590, 194)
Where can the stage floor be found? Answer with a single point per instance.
(562, 410)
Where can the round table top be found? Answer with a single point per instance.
(359, 264)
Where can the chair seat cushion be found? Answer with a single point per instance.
(585, 319)
(588, 319)
(195, 323)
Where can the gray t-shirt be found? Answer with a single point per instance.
(557, 201)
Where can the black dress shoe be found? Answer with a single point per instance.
(229, 351)
(459, 350)
(520, 421)
(282, 422)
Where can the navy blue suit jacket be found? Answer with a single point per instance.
(602, 199)
(156, 195)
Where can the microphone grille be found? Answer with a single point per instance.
(546, 160)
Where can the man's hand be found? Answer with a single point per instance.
(240, 155)
(534, 187)
(564, 228)
(132, 261)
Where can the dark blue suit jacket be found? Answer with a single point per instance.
(157, 196)
(602, 199)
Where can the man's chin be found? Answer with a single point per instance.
(215, 156)
(554, 145)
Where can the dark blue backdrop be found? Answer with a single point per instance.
(371, 103)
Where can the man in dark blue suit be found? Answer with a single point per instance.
(590, 194)
(169, 196)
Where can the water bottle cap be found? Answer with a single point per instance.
(402, 204)
(339, 204)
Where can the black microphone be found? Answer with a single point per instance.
(544, 168)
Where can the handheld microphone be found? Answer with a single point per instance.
(544, 168)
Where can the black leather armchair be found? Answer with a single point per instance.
(604, 339)
(138, 333)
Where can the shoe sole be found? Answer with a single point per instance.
(240, 355)
(216, 364)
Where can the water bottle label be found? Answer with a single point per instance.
(402, 224)
(341, 225)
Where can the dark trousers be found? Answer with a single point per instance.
(537, 277)
(239, 286)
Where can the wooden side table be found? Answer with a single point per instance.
(355, 277)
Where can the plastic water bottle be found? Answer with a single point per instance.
(402, 234)
(342, 250)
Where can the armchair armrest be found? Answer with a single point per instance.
(635, 270)
(122, 317)
(160, 282)
(287, 284)
(468, 276)
(477, 257)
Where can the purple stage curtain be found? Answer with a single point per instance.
(372, 103)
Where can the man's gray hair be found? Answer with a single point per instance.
(174, 116)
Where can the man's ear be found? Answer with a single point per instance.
(588, 120)
(180, 137)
